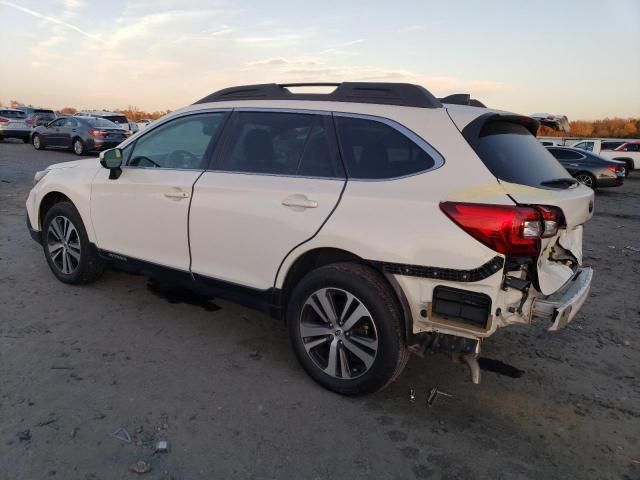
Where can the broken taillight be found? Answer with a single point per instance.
(510, 230)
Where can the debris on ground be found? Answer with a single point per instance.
(73, 432)
(122, 435)
(256, 355)
(140, 467)
(24, 436)
(412, 395)
(433, 394)
(61, 367)
(633, 249)
(162, 446)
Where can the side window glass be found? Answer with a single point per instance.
(181, 143)
(58, 123)
(268, 142)
(375, 150)
(320, 158)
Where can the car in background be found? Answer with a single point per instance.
(588, 168)
(13, 124)
(631, 146)
(630, 158)
(144, 123)
(549, 143)
(119, 119)
(81, 134)
(38, 116)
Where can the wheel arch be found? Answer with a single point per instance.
(322, 256)
(48, 201)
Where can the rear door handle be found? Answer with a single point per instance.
(299, 202)
(177, 194)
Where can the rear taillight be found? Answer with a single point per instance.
(510, 230)
(28, 121)
(97, 133)
(3, 120)
(613, 168)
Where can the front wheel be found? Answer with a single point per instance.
(346, 329)
(69, 253)
(37, 143)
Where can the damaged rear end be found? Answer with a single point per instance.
(538, 231)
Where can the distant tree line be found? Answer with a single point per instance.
(607, 128)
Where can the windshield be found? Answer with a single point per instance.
(101, 123)
(12, 114)
(512, 154)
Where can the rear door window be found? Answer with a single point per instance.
(513, 154)
(373, 150)
(588, 146)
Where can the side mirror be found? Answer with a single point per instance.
(112, 159)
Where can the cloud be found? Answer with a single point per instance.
(282, 40)
(278, 61)
(52, 20)
(412, 28)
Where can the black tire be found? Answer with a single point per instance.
(586, 179)
(37, 142)
(89, 267)
(26, 140)
(78, 147)
(371, 290)
(629, 167)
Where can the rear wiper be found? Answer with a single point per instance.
(568, 181)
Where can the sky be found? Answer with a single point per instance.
(575, 57)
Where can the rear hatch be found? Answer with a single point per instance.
(13, 119)
(530, 175)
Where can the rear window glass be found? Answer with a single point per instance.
(12, 114)
(374, 150)
(562, 154)
(101, 123)
(512, 154)
(43, 110)
(118, 119)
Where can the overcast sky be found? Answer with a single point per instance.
(580, 58)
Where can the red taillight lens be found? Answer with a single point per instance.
(28, 121)
(511, 230)
(3, 120)
(613, 168)
(97, 133)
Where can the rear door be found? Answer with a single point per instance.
(530, 175)
(277, 180)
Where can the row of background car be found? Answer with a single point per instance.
(20, 122)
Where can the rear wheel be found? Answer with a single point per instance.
(345, 326)
(78, 146)
(586, 179)
(37, 142)
(70, 255)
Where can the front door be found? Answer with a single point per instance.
(276, 182)
(144, 213)
(52, 133)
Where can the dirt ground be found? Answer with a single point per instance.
(220, 383)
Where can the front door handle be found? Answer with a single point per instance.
(299, 202)
(177, 194)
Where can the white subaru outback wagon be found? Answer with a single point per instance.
(376, 220)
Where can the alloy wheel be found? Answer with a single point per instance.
(338, 333)
(586, 180)
(63, 245)
(77, 147)
(36, 142)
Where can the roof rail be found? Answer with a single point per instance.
(403, 94)
(462, 99)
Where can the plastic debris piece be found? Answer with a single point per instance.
(24, 436)
(433, 395)
(122, 435)
(412, 395)
(162, 446)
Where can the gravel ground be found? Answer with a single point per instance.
(220, 383)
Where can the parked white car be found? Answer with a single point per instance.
(630, 158)
(375, 220)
